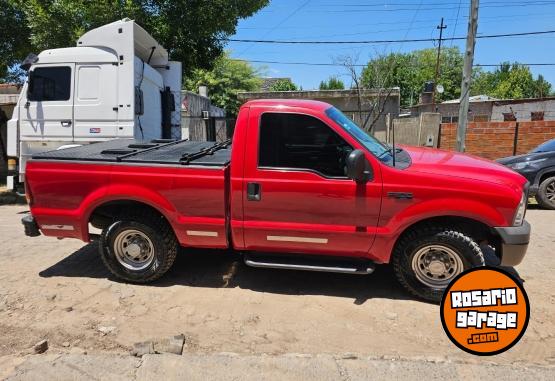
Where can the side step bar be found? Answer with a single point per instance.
(310, 264)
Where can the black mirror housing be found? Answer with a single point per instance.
(358, 168)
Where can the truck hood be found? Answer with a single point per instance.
(455, 164)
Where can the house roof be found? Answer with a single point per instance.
(475, 98)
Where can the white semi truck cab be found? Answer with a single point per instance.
(116, 83)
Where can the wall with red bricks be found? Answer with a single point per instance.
(493, 140)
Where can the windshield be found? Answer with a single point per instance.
(379, 149)
(545, 147)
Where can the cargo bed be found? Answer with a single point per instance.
(170, 152)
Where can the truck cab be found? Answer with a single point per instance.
(116, 83)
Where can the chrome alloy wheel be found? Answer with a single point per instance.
(436, 265)
(133, 250)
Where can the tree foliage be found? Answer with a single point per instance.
(333, 83)
(192, 31)
(283, 85)
(13, 47)
(225, 80)
(410, 71)
(510, 81)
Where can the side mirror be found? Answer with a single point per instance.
(358, 167)
(29, 61)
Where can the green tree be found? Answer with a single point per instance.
(510, 81)
(333, 83)
(410, 71)
(192, 31)
(283, 85)
(225, 80)
(12, 46)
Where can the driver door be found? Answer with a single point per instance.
(296, 195)
(47, 112)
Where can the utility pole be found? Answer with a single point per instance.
(440, 27)
(467, 74)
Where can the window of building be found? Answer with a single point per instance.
(450, 119)
(537, 115)
(296, 141)
(50, 84)
(509, 117)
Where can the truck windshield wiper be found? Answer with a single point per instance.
(390, 151)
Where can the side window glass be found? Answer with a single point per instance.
(50, 84)
(296, 141)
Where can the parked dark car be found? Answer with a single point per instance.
(538, 166)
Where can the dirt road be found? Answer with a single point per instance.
(59, 290)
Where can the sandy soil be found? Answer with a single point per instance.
(59, 290)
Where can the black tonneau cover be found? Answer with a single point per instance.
(180, 152)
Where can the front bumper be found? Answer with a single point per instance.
(515, 241)
(31, 227)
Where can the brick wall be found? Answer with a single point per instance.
(493, 140)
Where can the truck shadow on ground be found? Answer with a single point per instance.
(225, 269)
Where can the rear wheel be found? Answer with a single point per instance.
(546, 193)
(427, 259)
(138, 249)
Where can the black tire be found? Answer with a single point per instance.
(546, 193)
(162, 247)
(417, 241)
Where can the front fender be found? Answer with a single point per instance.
(473, 209)
(391, 227)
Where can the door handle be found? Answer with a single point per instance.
(254, 192)
(66, 123)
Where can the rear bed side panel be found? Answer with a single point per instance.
(191, 198)
(61, 192)
(199, 197)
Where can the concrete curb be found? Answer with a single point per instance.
(227, 366)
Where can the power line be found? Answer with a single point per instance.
(283, 21)
(500, 17)
(386, 41)
(456, 22)
(336, 64)
(433, 8)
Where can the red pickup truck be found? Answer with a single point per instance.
(301, 187)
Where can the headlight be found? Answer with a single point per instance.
(525, 164)
(521, 211)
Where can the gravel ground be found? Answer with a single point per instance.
(60, 291)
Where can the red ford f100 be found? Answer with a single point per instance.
(301, 187)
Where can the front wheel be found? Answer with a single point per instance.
(138, 249)
(546, 193)
(427, 259)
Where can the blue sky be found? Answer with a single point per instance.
(390, 19)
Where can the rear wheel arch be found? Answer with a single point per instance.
(103, 214)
